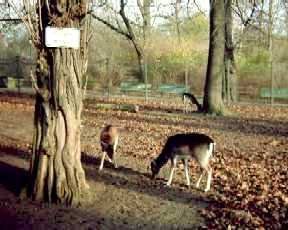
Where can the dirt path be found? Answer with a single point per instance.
(123, 198)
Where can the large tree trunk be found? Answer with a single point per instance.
(56, 173)
(230, 81)
(213, 85)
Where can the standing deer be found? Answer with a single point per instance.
(184, 147)
(109, 140)
(188, 100)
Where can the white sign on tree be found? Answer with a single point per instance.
(62, 37)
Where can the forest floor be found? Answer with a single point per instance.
(249, 186)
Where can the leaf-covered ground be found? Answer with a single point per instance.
(250, 178)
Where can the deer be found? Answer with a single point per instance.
(184, 147)
(189, 99)
(109, 137)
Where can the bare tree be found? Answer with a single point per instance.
(229, 80)
(285, 4)
(177, 19)
(130, 31)
(270, 25)
(144, 7)
(56, 173)
(213, 85)
(8, 19)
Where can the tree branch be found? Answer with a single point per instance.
(10, 20)
(198, 7)
(27, 22)
(126, 20)
(246, 22)
(140, 6)
(112, 27)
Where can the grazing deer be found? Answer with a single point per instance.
(109, 140)
(184, 147)
(188, 100)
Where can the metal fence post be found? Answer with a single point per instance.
(271, 83)
(18, 72)
(145, 74)
(109, 78)
(186, 78)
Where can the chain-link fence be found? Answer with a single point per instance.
(266, 82)
(15, 72)
(158, 80)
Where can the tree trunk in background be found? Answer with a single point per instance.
(132, 37)
(286, 16)
(270, 47)
(56, 173)
(140, 58)
(146, 19)
(213, 85)
(261, 14)
(177, 12)
(230, 81)
(144, 7)
(270, 25)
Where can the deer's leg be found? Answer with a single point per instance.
(114, 152)
(186, 171)
(186, 107)
(173, 166)
(199, 180)
(171, 175)
(209, 177)
(115, 163)
(102, 161)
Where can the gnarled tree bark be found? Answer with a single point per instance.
(56, 173)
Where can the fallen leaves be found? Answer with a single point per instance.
(249, 186)
(250, 178)
(259, 199)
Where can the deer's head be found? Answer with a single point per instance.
(154, 168)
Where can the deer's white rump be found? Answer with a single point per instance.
(109, 137)
(184, 147)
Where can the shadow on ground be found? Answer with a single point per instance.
(140, 182)
(122, 177)
(21, 214)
